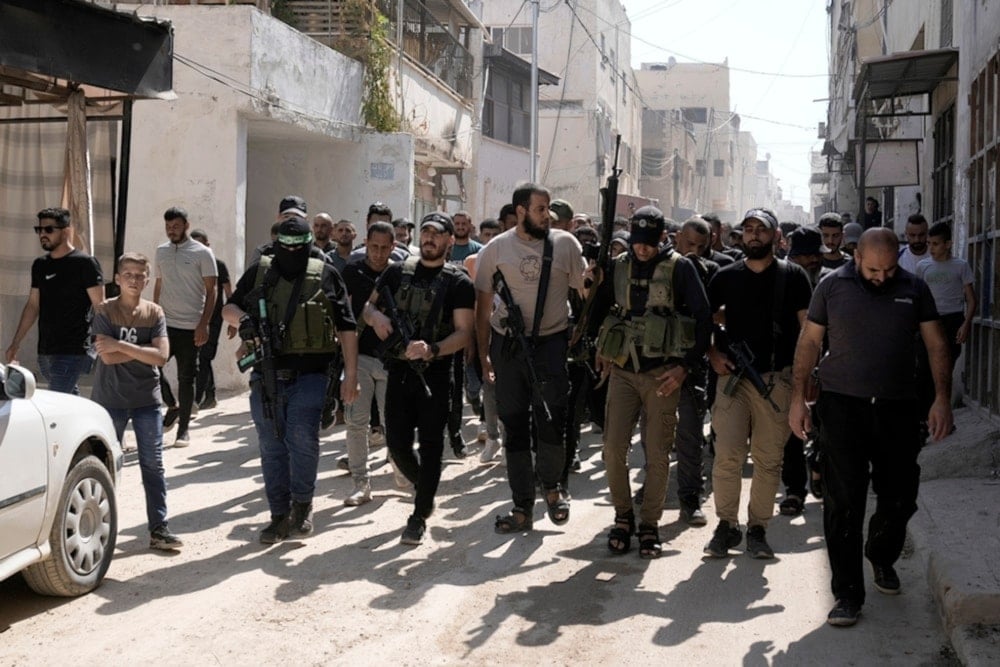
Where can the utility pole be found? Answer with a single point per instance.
(533, 143)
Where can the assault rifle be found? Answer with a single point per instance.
(402, 333)
(332, 400)
(255, 331)
(609, 198)
(514, 324)
(742, 357)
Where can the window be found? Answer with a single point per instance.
(695, 114)
(516, 39)
(719, 168)
(505, 117)
(653, 160)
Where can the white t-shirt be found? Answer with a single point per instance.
(520, 262)
(183, 268)
(947, 281)
(909, 261)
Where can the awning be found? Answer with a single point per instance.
(81, 43)
(904, 74)
(500, 57)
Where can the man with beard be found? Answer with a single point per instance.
(360, 279)
(720, 234)
(437, 300)
(185, 288)
(831, 227)
(287, 422)
(65, 285)
(322, 227)
(539, 267)
(656, 326)
(379, 212)
(507, 217)
(763, 302)
(344, 235)
(869, 410)
(916, 243)
(464, 245)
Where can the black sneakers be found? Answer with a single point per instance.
(886, 579)
(163, 540)
(757, 545)
(299, 523)
(413, 534)
(276, 531)
(725, 538)
(844, 614)
(170, 418)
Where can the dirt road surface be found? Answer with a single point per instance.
(352, 594)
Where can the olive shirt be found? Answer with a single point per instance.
(872, 333)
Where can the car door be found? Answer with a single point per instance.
(23, 474)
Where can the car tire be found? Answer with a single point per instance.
(83, 534)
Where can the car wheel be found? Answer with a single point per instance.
(83, 533)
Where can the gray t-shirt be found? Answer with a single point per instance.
(132, 384)
(183, 268)
(947, 281)
(520, 262)
(871, 333)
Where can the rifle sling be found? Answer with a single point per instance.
(543, 287)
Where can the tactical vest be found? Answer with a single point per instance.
(312, 329)
(660, 332)
(416, 303)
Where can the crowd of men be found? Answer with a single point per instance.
(770, 334)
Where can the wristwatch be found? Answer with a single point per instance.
(435, 350)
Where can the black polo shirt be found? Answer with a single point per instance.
(872, 334)
(361, 280)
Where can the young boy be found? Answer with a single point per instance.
(130, 336)
(950, 280)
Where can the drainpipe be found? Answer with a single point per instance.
(533, 148)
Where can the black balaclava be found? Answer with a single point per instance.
(291, 248)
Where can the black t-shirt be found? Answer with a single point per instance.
(748, 298)
(336, 292)
(871, 334)
(220, 291)
(361, 280)
(460, 291)
(64, 306)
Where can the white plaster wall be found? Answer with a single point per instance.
(502, 167)
(436, 115)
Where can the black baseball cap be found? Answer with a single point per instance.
(292, 204)
(439, 221)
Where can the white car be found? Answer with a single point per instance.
(59, 462)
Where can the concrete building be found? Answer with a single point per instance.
(586, 45)
(913, 109)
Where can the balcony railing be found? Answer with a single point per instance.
(339, 25)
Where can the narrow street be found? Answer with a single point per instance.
(351, 594)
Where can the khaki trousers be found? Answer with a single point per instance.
(627, 393)
(746, 422)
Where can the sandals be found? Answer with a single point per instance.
(620, 537)
(517, 521)
(556, 499)
(649, 541)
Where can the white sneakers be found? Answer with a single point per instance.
(490, 451)
(362, 494)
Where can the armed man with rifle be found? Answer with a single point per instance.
(761, 301)
(294, 313)
(656, 326)
(523, 344)
(426, 317)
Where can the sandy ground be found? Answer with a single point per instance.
(352, 593)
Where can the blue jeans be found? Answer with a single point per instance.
(147, 423)
(289, 463)
(63, 370)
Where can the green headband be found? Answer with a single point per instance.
(301, 239)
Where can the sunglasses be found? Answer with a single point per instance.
(48, 229)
